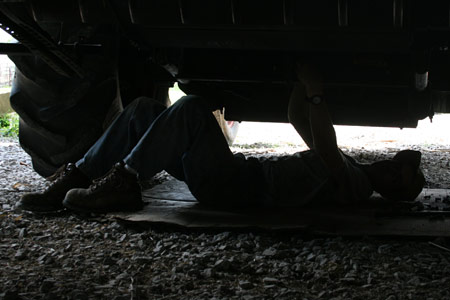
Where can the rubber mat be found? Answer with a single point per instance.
(172, 203)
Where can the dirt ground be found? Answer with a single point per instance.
(69, 256)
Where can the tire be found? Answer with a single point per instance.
(229, 128)
(60, 119)
(58, 125)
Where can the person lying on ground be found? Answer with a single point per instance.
(186, 141)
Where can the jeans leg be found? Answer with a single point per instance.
(121, 137)
(185, 134)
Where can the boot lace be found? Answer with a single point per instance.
(59, 174)
(111, 177)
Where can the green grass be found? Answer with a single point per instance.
(9, 125)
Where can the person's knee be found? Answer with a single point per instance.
(145, 105)
(191, 102)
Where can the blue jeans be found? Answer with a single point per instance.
(184, 140)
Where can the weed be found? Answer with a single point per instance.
(9, 125)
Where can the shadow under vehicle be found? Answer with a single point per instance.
(385, 62)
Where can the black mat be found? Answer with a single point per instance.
(172, 203)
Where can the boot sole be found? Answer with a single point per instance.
(127, 208)
(40, 209)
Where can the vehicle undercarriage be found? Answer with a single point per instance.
(385, 63)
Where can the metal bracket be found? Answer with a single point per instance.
(20, 49)
(39, 43)
(398, 9)
(343, 13)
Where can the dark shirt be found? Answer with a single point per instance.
(303, 178)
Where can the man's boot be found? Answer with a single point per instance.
(66, 178)
(118, 190)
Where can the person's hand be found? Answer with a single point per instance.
(311, 78)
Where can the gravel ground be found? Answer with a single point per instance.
(68, 256)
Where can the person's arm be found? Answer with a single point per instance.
(298, 114)
(322, 130)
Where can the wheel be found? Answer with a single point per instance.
(60, 118)
(229, 128)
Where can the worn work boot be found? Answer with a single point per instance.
(118, 190)
(66, 178)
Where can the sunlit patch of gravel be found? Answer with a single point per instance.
(67, 256)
